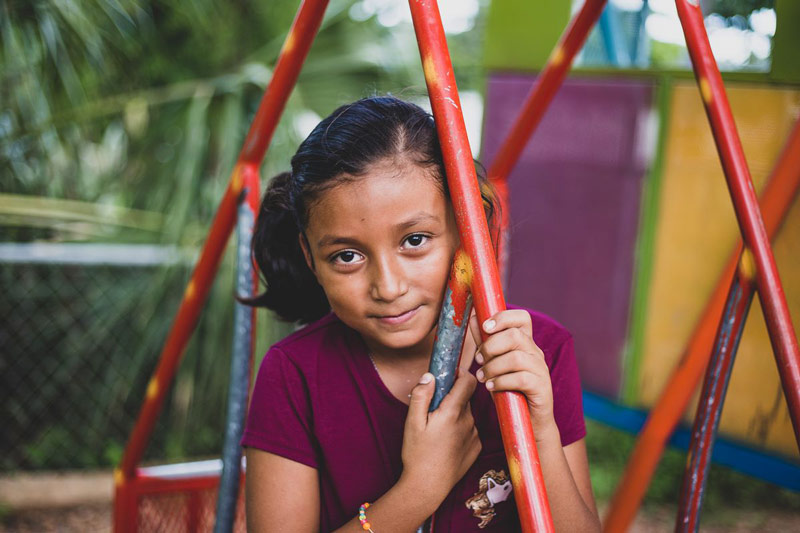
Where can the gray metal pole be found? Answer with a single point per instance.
(240, 376)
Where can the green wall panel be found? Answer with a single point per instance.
(786, 44)
(521, 33)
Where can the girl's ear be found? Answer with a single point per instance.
(301, 237)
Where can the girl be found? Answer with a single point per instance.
(357, 241)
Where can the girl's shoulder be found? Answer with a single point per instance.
(328, 335)
(310, 332)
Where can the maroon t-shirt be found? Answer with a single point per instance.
(319, 401)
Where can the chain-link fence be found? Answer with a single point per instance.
(81, 327)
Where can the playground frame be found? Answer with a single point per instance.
(756, 270)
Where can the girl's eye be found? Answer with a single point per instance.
(346, 257)
(416, 240)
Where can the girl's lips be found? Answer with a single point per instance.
(398, 319)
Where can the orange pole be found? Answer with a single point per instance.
(775, 201)
(293, 54)
(512, 409)
(534, 108)
(758, 250)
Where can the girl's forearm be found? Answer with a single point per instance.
(569, 510)
(401, 510)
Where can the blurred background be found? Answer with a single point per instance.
(120, 122)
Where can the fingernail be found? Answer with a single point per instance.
(479, 358)
(490, 385)
(479, 375)
(489, 325)
(426, 378)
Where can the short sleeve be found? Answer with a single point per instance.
(279, 420)
(567, 398)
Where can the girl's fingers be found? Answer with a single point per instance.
(510, 318)
(471, 342)
(521, 381)
(474, 327)
(421, 396)
(516, 361)
(507, 341)
(461, 392)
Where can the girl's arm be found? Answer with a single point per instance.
(569, 489)
(512, 362)
(280, 494)
(438, 449)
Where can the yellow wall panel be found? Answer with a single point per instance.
(755, 408)
(695, 233)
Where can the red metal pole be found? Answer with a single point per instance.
(776, 199)
(515, 425)
(188, 312)
(293, 54)
(536, 103)
(126, 514)
(740, 185)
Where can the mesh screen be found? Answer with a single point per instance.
(182, 511)
(78, 343)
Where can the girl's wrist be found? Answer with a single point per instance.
(547, 432)
(403, 508)
(424, 490)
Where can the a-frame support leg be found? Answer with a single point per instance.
(515, 425)
(295, 49)
(533, 109)
(757, 259)
(776, 200)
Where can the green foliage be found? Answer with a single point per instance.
(609, 450)
(145, 104)
(120, 121)
(666, 55)
(730, 8)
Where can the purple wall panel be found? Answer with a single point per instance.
(575, 197)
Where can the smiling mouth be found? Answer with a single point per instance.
(394, 320)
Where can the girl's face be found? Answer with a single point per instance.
(381, 246)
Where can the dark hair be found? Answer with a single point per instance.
(341, 147)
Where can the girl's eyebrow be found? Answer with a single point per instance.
(417, 218)
(329, 240)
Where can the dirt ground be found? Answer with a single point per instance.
(84, 519)
(97, 519)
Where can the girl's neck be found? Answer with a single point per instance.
(408, 356)
(400, 370)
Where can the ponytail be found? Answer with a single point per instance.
(292, 289)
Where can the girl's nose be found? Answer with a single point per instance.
(388, 280)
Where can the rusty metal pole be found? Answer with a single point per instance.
(709, 409)
(451, 328)
(776, 199)
(293, 54)
(515, 425)
(241, 357)
(757, 248)
(534, 108)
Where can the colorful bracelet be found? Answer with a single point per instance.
(362, 517)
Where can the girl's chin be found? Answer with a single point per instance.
(411, 341)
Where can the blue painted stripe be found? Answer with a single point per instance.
(758, 464)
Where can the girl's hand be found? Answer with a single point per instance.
(439, 447)
(513, 362)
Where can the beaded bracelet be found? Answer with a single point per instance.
(362, 517)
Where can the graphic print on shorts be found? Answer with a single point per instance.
(493, 488)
